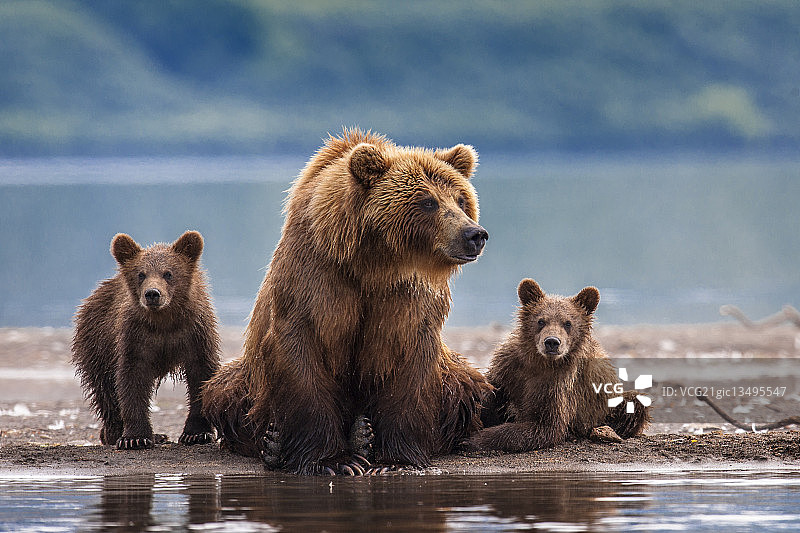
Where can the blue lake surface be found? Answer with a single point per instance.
(665, 239)
(696, 501)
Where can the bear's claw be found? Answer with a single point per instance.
(361, 438)
(346, 466)
(271, 448)
(136, 443)
(379, 470)
(190, 439)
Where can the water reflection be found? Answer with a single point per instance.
(413, 503)
(547, 501)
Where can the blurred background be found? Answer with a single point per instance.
(647, 148)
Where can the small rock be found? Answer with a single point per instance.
(604, 434)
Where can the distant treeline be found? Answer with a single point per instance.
(260, 76)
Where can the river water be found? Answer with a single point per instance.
(697, 501)
(665, 239)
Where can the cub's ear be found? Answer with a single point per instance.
(461, 157)
(124, 248)
(367, 164)
(529, 291)
(189, 244)
(588, 299)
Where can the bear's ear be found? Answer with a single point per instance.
(461, 157)
(367, 164)
(189, 244)
(588, 299)
(124, 248)
(529, 291)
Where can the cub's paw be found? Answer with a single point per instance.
(160, 438)
(271, 448)
(197, 438)
(134, 443)
(362, 438)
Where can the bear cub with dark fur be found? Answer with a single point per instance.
(152, 319)
(546, 375)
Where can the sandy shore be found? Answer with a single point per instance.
(47, 427)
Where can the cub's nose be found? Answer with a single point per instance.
(551, 344)
(475, 238)
(152, 296)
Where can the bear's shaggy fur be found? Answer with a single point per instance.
(348, 318)
(151, 319)
(546, 375)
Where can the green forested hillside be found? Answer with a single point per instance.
(214, 76)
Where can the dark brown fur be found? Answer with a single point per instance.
(544, 374)
(151, 319)
(348, 319)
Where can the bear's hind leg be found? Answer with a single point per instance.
(226, 404)
(463, 389)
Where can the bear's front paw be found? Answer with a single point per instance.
(343, 466)
(357, 465)
(361, 439)
(271, 448)
(190, 439)
(379, 470)
(134, 443)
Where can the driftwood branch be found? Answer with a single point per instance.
(752, 427)
(787, 314)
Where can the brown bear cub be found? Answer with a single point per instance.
(347, 323)
(549, 377)
(151, 319)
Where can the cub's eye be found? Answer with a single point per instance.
(168, 276)
(142, 275)
(541, 323)
(429, 204)
(567, 326)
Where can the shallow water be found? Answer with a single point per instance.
(666, 501)
(665, 239)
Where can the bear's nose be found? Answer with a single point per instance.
(475, 237)
(551, 344)
(152, 296)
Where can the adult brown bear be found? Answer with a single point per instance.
(349, 316)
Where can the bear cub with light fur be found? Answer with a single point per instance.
(546, 374)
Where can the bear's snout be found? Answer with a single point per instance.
(552, 345)
(475, 238)
(152, 297)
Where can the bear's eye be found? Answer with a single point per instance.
(168, 275)
(462, 203)
(429, 204)
(567, 326)
(541, 322)
(142, 275)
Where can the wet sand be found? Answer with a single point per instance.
(47, 428)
